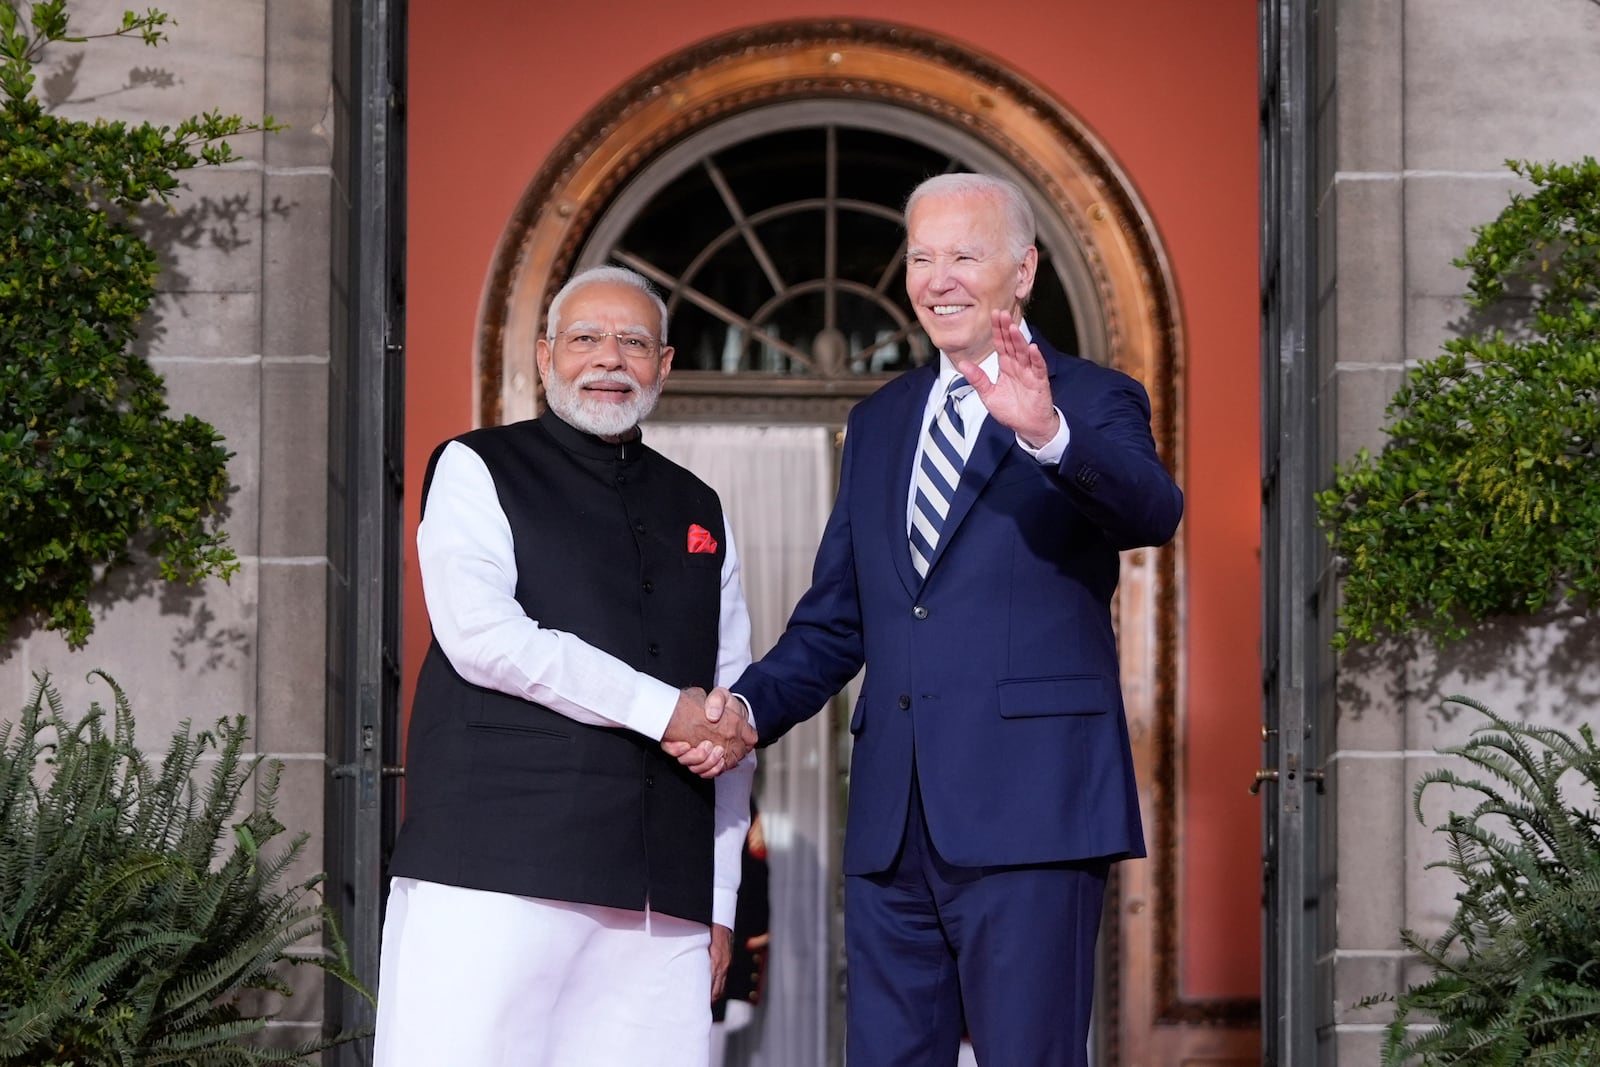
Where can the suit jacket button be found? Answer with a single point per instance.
(905, 702)
(919, 612)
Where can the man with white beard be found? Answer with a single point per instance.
(563, 889)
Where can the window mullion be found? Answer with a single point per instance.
(830, 231)
(706, 303)
(757, 249)
(889, 269)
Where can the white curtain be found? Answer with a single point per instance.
(777, 486)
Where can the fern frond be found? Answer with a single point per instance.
(1514, 976)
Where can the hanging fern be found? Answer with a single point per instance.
(1516, 974)
(136, 904)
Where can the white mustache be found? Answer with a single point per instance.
(613, 377)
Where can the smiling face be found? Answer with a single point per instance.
(599, 387)
(961, 267)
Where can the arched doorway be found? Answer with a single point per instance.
(853, 86)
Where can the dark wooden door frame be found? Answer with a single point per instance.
(1293, 643)
(366, 483)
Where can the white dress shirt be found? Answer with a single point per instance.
(466, 556)
(973, 413)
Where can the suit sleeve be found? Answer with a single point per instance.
(1111, 469)
(821, 647)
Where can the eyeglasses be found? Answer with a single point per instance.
(584, 341)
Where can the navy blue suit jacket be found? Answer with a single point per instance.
(996, 677)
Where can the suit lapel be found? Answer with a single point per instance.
(907, 438)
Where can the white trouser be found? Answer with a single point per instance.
(475, 979)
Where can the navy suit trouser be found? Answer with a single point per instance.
(1006, 951)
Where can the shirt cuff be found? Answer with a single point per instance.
(1049, 454)
(651, 708)
(749, 712)
(724, 902)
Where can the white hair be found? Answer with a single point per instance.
(604, 275)
(1021, 231)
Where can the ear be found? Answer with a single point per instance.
(1025, 274)
(541, 356)
(665, 364)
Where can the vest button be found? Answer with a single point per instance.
(621, 478)
(905, 702)
(649, 783)
(919, 612)
(648, 586)
(638, 527)
(655, 649)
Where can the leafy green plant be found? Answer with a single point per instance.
(91, 466)
(1486, 498)
(134, 910)
(1515, 977)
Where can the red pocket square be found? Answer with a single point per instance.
(700, 539)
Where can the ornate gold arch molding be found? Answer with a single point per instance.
(786, 61)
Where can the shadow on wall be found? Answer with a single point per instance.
(199, 644)
(1543, 667)
(224, 224)
(56, 88)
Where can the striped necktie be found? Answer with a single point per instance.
(938, 471)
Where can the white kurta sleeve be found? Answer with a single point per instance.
(469, 578)
(733, 787)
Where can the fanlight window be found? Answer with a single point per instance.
(782, 252)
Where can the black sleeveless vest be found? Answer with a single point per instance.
(508, 796)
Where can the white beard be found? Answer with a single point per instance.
(601, 418)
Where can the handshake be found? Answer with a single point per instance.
(709, 732)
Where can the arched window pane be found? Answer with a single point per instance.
(781, 253)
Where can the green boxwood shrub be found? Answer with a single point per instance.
(1486, 499)
(92, 468)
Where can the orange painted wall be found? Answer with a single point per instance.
(1168, 85)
